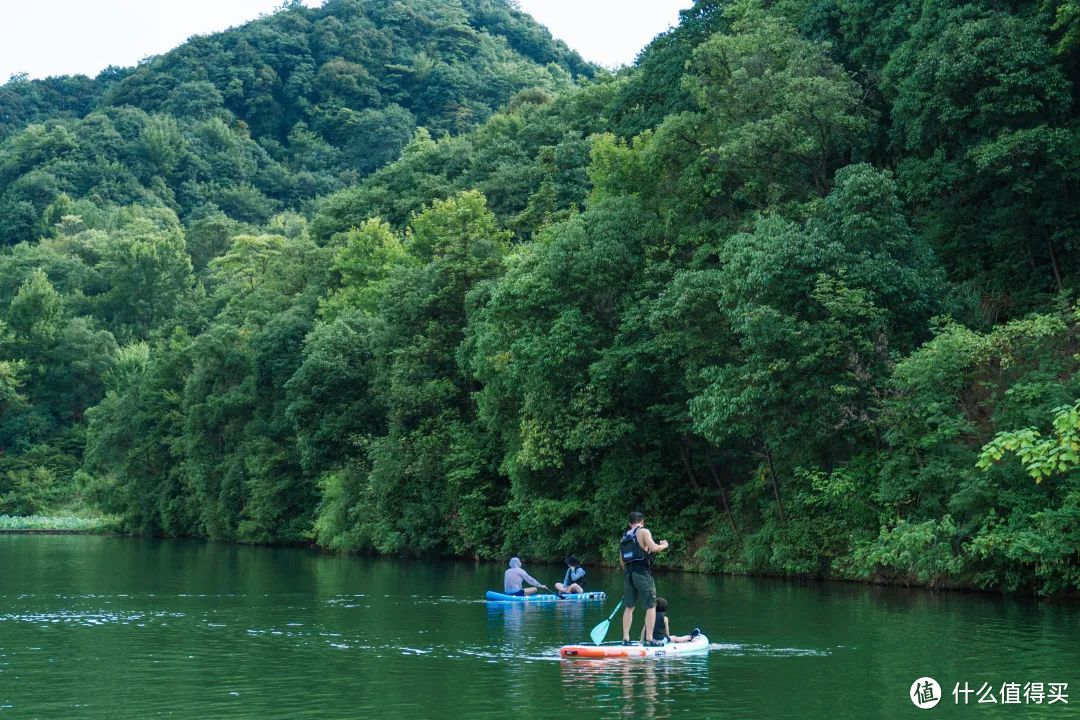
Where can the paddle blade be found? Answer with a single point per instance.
(600, 632)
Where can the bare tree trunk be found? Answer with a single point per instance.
(1054, 262)
(723, 498)
(775, 483)
(684, 455)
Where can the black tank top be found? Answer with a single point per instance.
(658, 631)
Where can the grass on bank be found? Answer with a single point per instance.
(71, 523)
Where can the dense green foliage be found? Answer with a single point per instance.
(798, 285)
(268, 116)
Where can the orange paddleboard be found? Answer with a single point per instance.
(617, 650)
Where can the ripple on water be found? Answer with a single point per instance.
(751, 650)
(89, 619)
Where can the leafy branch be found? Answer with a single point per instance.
(1041, 456)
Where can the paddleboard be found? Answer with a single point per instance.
(616, 650)
(493, 596)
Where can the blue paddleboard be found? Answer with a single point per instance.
(493, 596)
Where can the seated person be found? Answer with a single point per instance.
(574, 581)
(661, 630)
(515, 577)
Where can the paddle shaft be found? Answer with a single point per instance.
(600, 631)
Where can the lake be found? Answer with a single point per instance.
(98, 627)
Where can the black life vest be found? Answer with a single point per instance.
(658, 631)
(630, 550)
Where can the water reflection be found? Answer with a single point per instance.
(635, 688)
(523, 624)
(104, 628)
(507, 621)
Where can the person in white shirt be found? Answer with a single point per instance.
(515, 578)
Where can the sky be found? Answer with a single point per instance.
(64, 37)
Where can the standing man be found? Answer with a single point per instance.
(635, 550)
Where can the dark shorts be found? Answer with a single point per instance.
(639, 585)
(519, 592)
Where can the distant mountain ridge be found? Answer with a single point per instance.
(23, 101)
(310, 99)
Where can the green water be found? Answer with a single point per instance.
(95, 627)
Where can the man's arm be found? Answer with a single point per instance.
(648, 544)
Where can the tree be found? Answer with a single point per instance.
(1041, 457)
(432, 474)
(774, 119)
(134, 446)
(980, 106)
(37, 310)
(148, 272)
(364, 260)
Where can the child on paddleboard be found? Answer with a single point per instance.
(661, 630)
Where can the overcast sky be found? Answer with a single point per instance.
(63, 37)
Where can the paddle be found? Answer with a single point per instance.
(558, 595)
(600, 631)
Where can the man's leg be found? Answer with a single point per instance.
(559, 587)
(648, 592)
(650, 618)
(530, 591)
(629, 597)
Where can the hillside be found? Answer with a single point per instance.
(801, 285)
(267, 116)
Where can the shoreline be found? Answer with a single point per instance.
(58, 524)
(876, 582)
(57, 531)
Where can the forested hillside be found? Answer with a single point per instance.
(801, 285)
(269, 116)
